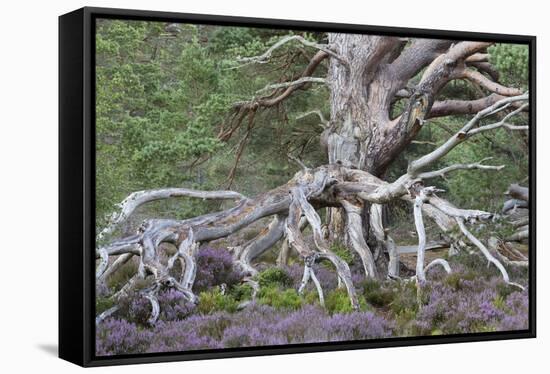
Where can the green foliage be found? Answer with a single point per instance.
(342, 251)
(500, 302)
(162, 99)
(455, 280)
(214, 301)
(377, 295)
(512, 62)
(337, 301)
(405, 302)
(280, 299)
(274, 276)
(504, 290)
(102, 304)
(241, 292)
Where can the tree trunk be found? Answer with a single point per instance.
(359, 106)
(358, 102)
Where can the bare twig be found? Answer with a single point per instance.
(297, 82)
(264, 58)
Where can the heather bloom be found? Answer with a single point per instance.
(215, 267)
(174, 305)
(117, 336)
(357, 326)
(179, 336)
(471, 307)
(450, 304)
(517, 306)
(259, 325)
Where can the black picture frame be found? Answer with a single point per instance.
(77, 187)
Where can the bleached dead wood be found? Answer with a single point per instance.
(265, 57)
(507, 253)
(486, 253)
(136, 199)
(357, 239)
(383, 237)
(333, 185)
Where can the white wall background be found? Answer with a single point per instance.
(28, 184)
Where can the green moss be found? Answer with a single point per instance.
(500, 303)
(311, 297)
(405, 322)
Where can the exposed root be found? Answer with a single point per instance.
(104, 256)
(439, 261)
(291, 206)
(106, 314)
(419, 224)
(299, 205)
(261, 243)
(422, 195)
(255, 289)
(113, 268)
(318, 287)
(357, 239)
(383, 237)
(136, 199)
(487, 254)
(306, 276)
(155, 308)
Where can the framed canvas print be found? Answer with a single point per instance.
(235, 186)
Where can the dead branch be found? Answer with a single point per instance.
(486, 253)
(467, 131)
(462, 107)
(518, 192)
(299, 82)
(478, 78)
(477, 165)
(264, 58)
(137, 199)
(318, 113)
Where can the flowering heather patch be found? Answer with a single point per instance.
(258, 325)
(476, 305)
(117, 336)
(214, 267)
(469, 300)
